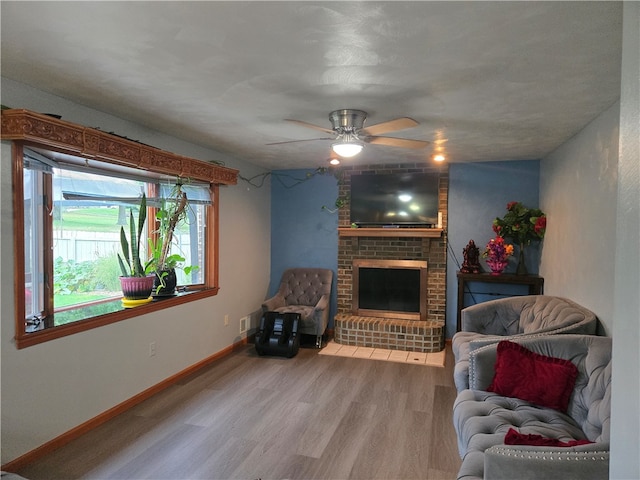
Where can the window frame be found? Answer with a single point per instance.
(26, 339)
(214, 174)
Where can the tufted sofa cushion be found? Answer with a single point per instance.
(482, 419)
(514, 317)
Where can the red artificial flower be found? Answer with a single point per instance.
(521, 224)
(540, 225)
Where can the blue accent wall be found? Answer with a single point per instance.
(478, 193)
(303, 234)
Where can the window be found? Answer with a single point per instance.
(72, 212)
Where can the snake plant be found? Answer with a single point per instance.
(129, 261)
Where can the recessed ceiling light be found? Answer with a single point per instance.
(439, 157)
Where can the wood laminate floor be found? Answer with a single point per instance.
(250, 417)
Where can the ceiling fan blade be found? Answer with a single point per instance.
(390, 126)
(297, 141)
(309, 125)
(397, 142)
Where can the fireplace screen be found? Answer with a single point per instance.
(390, 288)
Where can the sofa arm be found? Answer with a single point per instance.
(585, 462)
(273, 303)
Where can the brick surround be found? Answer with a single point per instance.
(391, 333)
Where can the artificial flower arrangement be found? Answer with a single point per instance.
(497, 253)
(521, 224)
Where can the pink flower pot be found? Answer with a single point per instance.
(497, 266)
(137, 288)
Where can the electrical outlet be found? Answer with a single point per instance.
(152, 349)
(226, 320)
(244, 324)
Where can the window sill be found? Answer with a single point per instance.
(118, 314)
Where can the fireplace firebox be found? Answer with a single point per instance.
(390, 288)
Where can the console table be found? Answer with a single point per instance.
(535, 282)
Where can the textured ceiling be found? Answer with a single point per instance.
(485, 80)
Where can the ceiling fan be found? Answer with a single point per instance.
(350, 135)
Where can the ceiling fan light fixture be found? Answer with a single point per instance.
(347, 145)
(347, 149)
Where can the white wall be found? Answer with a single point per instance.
(53, 387)
(625, 407)
(578, 187)
(591, 190)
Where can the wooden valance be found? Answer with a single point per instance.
(46, 130)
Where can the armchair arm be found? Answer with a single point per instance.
(322, 304)
(585, 462)
(273, 303)
(482, 366)
(490, 318)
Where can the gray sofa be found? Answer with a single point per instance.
(482, 419)
(306, 291)
(513, 317)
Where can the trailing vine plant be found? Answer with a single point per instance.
(289, 181)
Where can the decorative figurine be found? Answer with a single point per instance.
(471, 263)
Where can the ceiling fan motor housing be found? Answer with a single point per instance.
(347, 120)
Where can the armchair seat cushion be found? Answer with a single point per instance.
(305, 311)
(483, 419)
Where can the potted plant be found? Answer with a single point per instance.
(523, 225)
(172, 212)
(135, 281)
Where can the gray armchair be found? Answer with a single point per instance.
(306, 291)
(512, 318)
(482, 419)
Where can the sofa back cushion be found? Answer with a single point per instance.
(542, 313)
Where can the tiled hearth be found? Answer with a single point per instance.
(388, 332)
(430, 359)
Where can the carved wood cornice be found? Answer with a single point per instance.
(89, 142)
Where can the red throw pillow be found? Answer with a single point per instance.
(523, 374)
(516, 438)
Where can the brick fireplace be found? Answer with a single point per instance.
(420, 333)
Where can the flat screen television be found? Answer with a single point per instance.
(395, 200)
